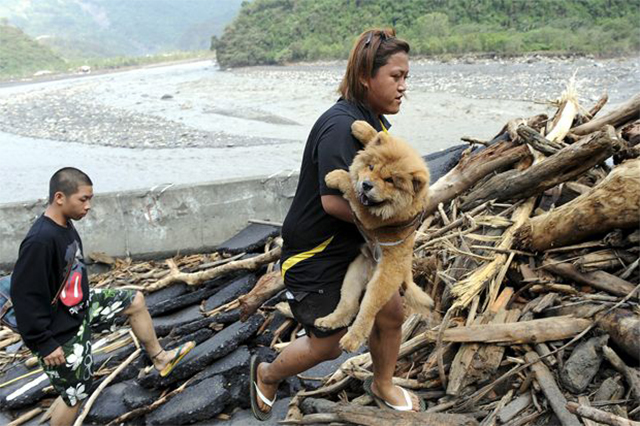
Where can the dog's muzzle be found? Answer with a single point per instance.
(366, 194)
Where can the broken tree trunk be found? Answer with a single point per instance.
(625, 113)
(534, 331)
(196, 278)
(613, 203)
(370, 416)
(566, 164)
(600, 280)
(471, 169)
(624, 328)
(267, 286)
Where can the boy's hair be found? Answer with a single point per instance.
(67, 180)
(372, 50)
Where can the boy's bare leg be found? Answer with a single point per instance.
(142, 327)
(299, 356)
(63, 415)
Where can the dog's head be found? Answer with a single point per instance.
(390, 178)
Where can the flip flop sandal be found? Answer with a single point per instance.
(384, 404)
(183, 350)
(255, 393)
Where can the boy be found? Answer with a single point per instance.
(55, 308)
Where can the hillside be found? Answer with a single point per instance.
(20, 54)
(277, 31)
(101, 28)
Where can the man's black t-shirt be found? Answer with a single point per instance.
(318, 248)
(49, 254)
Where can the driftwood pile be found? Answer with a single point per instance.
(530, 248)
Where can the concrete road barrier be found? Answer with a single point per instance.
(163, 220)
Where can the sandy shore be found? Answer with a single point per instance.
(191, 122)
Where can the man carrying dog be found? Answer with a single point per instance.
(55, 308)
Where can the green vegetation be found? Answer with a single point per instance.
(20, 54)
(279, 31)
(101, 28)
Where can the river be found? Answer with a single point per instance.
(192, 122)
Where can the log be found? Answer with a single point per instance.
(623, 327)
(471, 169)
(599, 415)
(613, 203)
(539, 142)
(566, 164)
(370, 416)
(196, 278)
(631, 133)
(599, 280)
(630, 110)
(267, 286)
(584, 400)
(598, 106)
(606, 259)
(534, 331)
(550, 388)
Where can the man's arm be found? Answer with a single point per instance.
(337, 206)
(31, 297)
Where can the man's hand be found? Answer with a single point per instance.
(55, 358)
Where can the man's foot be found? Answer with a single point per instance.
(262, 395)
(165, 361)
(394, 397)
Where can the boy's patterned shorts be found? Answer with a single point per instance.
(73, 379)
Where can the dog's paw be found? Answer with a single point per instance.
(334, 177)
(428, 302)
(330, 322)
(350, 342)
(363, 131)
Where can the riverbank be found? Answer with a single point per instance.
(191, 122)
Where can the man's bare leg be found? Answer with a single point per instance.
(384, 345)
(142, 327)
(63, 415)
(299, 356)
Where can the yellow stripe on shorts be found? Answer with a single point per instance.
(294, 260)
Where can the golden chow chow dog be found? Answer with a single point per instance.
(387, 187)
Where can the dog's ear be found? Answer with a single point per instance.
(419, 180)
(363, 131)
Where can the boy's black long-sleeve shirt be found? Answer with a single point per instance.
(49, 254)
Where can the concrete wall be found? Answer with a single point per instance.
(163, 220)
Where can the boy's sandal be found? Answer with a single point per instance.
(183, 350)
(256, 393)
(367, 385)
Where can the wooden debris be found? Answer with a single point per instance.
(624, 328)
(195, 278)
(529, 244)
(551, 390)
(614, 203)
(599, 415)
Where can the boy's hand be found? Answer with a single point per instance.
(55, 358)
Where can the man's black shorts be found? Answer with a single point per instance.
(306, 307)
